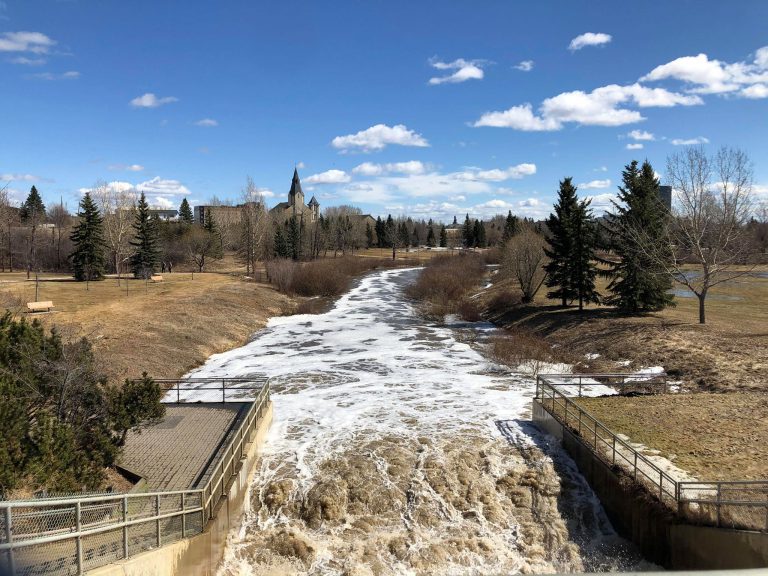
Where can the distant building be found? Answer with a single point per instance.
(665, 195)
(295, 205)
(219, 213)
(164, 213)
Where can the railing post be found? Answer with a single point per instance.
(661, 482)
(178, 392)
(183, 515)
(719, 495)
(9, 535)
(635, 470)
(78, 538)
(613, 461)
(157, 513)
(125, 527)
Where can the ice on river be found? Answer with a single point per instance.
(398, 448)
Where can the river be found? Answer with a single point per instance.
(398, 448)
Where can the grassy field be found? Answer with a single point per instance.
(165, 328)
(730, 352)
(712, 436)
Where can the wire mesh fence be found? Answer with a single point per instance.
(74, 534)
(741, 504)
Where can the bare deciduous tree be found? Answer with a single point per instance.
(708, 242)
(7, 217)
(117, 209)
(254, 227)
(523, 259)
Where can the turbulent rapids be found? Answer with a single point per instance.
(397, 448)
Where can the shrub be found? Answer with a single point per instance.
(445, 283)
(57, 414)
(280, 273)
(521, 349)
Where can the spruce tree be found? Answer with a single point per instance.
(431, 243)
(561, 245)
(584, 267)
(145, 243)
(638, 284)
(368, 235)
(88, 257)
(380, 233)
(443, 237)
(468, 232)
(185, 213)
(281, 245)
(478, 234)
(32, 212)
(510, 227)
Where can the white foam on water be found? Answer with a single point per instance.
(370, 368)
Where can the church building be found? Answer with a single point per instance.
(295, 205)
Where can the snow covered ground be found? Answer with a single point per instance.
(398, 448)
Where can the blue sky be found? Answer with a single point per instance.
(426, 108)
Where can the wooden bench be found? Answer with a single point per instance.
(156, 278)
(39, 306)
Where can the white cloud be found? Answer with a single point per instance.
(755, 91)
(329, 177)
(641, 135)
(372, 169)
(163, 186)
(149, 100)
(634, 146)
(116, 185)
(25, 61)
(497, 174)
(34, 42)
(705, 76)
(125, 167)
(601, 107)
(18, 177)
(162, 202)
(595, 184)
(300, 165)
(207, 122)
(519, 118)
(601, 169)
(602, 203)
(70, 75)
(690, 141)
(378, 137)
(589, 39)
(464, 70)
(525, 66)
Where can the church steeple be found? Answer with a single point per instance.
(296, 195)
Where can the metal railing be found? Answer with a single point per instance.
(742, 504)
(74, 534)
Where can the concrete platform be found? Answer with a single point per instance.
(179, 452)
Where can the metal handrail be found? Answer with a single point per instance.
(200, 500)
(547, 393)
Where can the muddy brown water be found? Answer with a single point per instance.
(398, 448)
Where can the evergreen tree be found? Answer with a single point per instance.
(145, 244)
(368, 235)
(638, 284)
(480, 239)
(455, 222)
(32, 212)
(584, 269)
(403, 237)
(443, 237)
(416, 241)
(281, 245)
(510, 227)
(185, 213)
(468, 232)
(88, 259)
(380, 233)
(561, 245)
(431, 235)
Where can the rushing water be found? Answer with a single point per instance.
(397, 448)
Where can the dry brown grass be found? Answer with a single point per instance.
(164, 328)
(730, 352)
(712, 436)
